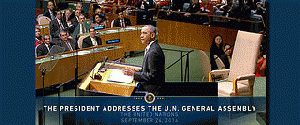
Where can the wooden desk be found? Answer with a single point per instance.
(104, 86)
(64, 69)
(129, 37)
(192, 35)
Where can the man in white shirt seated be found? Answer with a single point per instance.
(82, 27)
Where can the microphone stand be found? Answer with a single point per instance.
(43, 77)
(76, 70)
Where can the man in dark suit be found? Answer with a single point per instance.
(152, 74)
(79, 7)
(82, 27)
(121, 21)
(57, 25)
(74, 21)
(64, 41)
(50, 11)
(44, 48)
(92, 40)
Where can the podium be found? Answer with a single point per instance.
(106, 85)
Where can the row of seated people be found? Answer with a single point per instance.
(196, 12)
(68, 43)
(79, 24)
(224, 52)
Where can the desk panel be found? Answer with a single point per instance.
(64, 70)
(192, 35)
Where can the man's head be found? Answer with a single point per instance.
(63, 35)
(81, 18)
(77, 13)
(68, 12)
(228, 49)
(58, 15)
(92, 32)
(120, 15)
(46, 39)
(148, 34)
(205, 1)
(37, 32)
(79, 6)
(98, 11)
(50, 6)
(195, 1)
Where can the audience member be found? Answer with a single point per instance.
(240, 11)
(121, 21)
(216, 51)
(194, 7)
(74, 21)
(57, 25)
(65, 42)
(50, 11)
(44, 48)
(80, 8)
(226, 8)
(82, 27)
(261, 63)
(206, 7)
(98, 20)
(99, 11)
(68, 15)
(91, 40)
(260, 9)
(38, 37)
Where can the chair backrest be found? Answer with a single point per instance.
(80, 40)
(44, 20)
(245, 54)
(205, 63)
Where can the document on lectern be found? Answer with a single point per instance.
(118, 76)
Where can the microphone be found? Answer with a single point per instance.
(119, 60)
(103, 64)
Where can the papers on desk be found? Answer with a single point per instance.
(118, 76)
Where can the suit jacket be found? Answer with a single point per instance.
(63, 44)
(87, 42)
(72, 16)
(117, 22)
(153, 69)
(42, 50)
(194, 8)
(74, 23)
(86, 24)
(55, 28)
(47, 13)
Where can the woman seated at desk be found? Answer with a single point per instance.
(98, 21)
(216, 51)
